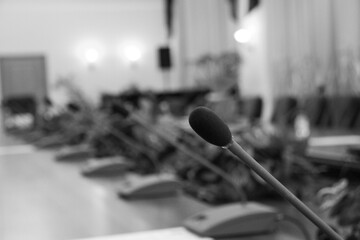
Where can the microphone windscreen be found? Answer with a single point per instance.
(73, 107)
(210, 127)
(121, 110)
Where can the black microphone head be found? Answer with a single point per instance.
(120, 109)
(73, 107)
(210, 127)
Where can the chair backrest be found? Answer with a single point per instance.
(251, 108)
(343, 111)
(227, 109)
(285, 110)
(356, 123)
(20, 112)
(316, 108)
(20, 104)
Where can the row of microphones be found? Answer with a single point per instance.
(126, 112)
(214, 130)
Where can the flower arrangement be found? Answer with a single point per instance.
(219, 72)
(341, 201)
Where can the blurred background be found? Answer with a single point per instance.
(96, 94)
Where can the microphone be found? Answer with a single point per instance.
(125, 112)
(212, 129)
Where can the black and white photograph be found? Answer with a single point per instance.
(179, 120)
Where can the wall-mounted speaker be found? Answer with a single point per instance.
(164, 58)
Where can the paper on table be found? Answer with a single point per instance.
(178, 233)
(334, 140)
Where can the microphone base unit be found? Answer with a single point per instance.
(74, 153)
(151, 186)
(234, 220)
(116, 165)
(212, 129)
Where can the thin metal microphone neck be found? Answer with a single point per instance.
(238, 151)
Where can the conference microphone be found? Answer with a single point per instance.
(213, 130)
(124, 111)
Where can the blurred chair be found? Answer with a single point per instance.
(356, 123)
(20, 112)
(343, 111)
(316, 109)
(284, 112)
(251, 108)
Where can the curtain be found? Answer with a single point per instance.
(312, 44)
(203, 28)
(234, 9)
(169, 6)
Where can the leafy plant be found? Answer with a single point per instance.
(341, 201)
(219, 72)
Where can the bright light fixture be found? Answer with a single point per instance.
(242, 35)
(92, 56)
(133, 54)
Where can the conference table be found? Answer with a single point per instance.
(332, 150)
(331, 145)
(44, 199)
(180, 233)
(283, 231)
(327, 148)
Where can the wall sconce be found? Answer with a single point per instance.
(92, 57)
(243, 35)
(133, 54)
